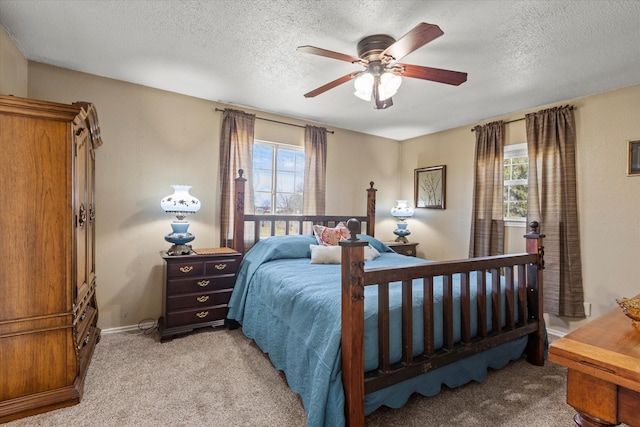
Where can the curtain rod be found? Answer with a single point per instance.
(277, 121)
(570, 107)
(473, 129)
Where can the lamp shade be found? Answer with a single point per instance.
(402, 210)
(389, 85)
(363, 85)
(180, 203)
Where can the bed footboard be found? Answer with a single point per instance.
(519, 276)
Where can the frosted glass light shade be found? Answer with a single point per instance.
(364, 86)
(389, 85)
(180, 203)
(402, 210)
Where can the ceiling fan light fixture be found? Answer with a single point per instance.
(364, 86)
(389, 85)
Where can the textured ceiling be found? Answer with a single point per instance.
(518, 54)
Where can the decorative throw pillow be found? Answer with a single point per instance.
(325, 254)
(327, 236)
(333, 254)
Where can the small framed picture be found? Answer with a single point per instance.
(430, 187)
(633, 158)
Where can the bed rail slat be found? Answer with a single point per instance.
(508, 293)
(522, 294)
(427, 316)
(383, 327)
(481, 296)
(465, 307)
(407, 321)
(496, 302)
(447, 311)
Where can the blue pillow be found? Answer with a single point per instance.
(381, 247)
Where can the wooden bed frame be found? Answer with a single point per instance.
(523, 290)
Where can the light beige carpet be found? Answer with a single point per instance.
(221, 378)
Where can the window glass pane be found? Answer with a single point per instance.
(262, 180)
(300, 162)
(519, 209)
(520, 170)
(518, 192)
(262, 156)
(262, 202)
(286, 182)
(286, 160)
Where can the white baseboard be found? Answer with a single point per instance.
(121, 329)
(144, 325)
(556, 333)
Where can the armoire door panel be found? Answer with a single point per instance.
(36, 262)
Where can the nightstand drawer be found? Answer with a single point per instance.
(184, 269)
(222, 266)
(200, 284)
(196, 315)
(408, 249)
(197, 300)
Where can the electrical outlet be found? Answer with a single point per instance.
(587, 309)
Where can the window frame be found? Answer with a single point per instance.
(512, 151)
(275, 147)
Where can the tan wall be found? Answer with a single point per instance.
(153, 139)
(13, 67)
(608, 200)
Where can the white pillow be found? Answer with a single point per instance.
(370, 253)
(333, 254)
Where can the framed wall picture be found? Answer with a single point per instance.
(430, 187)
(633, 158)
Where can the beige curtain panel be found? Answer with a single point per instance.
(487, 221)
(236, 152)
(552, 201)
(315, 170)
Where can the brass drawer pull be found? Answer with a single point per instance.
(186, 268)
(221, 266)
(409, 252)
(203, 283)
(202, 314)
(203, 298)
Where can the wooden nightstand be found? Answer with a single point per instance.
(197, 288)
(409, 249)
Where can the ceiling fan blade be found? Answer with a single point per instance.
(328, 53)
(420, 35)
(331, 85)
(449, 77)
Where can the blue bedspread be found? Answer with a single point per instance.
(292, 310)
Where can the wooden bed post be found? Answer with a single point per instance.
(238, 216)
(535, 346)
(371, 210)
(353, 324)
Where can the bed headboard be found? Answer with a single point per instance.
(267, 225)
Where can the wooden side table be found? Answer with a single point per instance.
(408, 249)
(197, 288)
(603, 377)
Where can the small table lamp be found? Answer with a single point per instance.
(180, 204)
(402, 211)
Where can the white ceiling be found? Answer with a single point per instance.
(518, 54)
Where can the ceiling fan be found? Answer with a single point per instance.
(379, 55)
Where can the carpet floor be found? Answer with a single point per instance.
(221, 378)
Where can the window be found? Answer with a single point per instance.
(516, 173)
(278, 178)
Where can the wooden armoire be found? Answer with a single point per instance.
(48, 309)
